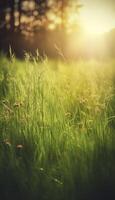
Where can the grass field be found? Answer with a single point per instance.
(57, 129)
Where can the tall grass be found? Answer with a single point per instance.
(57, 123)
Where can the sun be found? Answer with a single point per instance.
(96, 21)
(95, 27)
(95, 24)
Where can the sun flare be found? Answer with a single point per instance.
(96, 19)
(96, 24)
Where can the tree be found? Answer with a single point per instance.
(12, 18)
(3, 4)
(32, 15)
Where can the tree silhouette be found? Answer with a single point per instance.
(3, 4)
(33, 15)
(45, 21)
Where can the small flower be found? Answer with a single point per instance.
(7, 142)
(57, 181)
(19, 146)
(68, 114)
(41, 169)
(17, 104)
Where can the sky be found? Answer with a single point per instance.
(97, 16)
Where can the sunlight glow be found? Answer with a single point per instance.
(95, 26)
(96, 20)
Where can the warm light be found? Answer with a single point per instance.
(31, 5)
(96, 20)
(16, 14)
(8, 17)
(28, 5)
(72, 18)
(95, 25)
(16, 23)
(51, 26)
(23, 19)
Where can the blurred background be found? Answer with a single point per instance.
(58, 28)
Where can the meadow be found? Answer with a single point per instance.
(57, 129)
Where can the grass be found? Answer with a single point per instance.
(57, 124)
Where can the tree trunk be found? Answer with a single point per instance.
(20, 13)
(12, 21)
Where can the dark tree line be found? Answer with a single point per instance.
(27, 25)
(33, 15)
